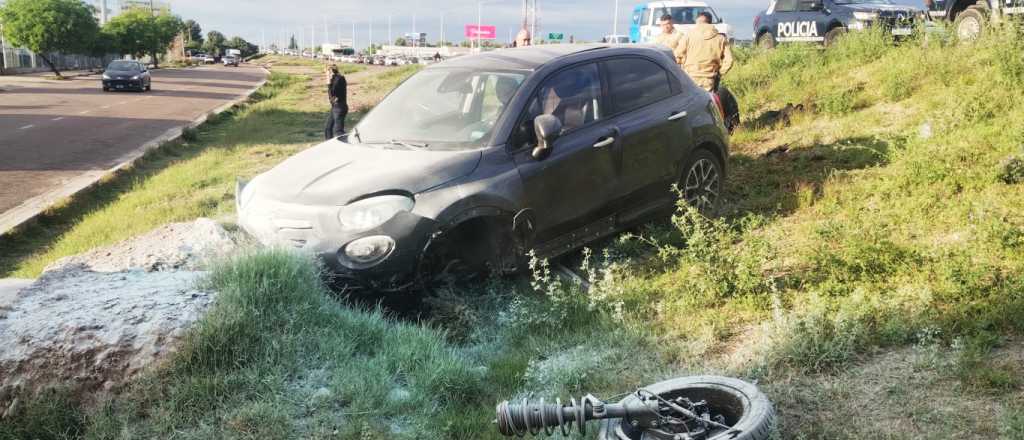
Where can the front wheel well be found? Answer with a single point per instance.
(962, 6)
(486, 241)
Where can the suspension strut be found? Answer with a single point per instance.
(533, 417)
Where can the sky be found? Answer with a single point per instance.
(276, 20)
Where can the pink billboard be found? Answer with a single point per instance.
(482, 32)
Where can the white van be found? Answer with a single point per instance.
(684, 13)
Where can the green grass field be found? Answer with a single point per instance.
(867, 272)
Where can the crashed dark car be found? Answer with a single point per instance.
(475, 162)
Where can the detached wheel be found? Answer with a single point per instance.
(702, 181)
(747, 411)
(834, 34)
(766, 41)
(970, 24)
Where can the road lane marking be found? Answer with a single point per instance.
(105, 107)
(83, 112)
(57, 119)
(122, 103)
(27, 127)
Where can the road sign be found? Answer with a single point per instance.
(554, 36)
(481, 32)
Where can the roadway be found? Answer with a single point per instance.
(54, 131)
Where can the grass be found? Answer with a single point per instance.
(868, 273)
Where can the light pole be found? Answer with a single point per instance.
(390, 40)
(615, 19)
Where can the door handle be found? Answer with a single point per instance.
(606, 142)
(677, 116)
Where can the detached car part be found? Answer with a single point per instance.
(689, 408)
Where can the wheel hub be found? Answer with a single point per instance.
(969, 29)
(702, 185)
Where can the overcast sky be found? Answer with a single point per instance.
(585, 19)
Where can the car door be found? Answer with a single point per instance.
(570, 190)
(789, 24)
(648, 117)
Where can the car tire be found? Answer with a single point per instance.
(766, 41)
(106, 89)
(970, 24)
(149, 87)
(702, 181)
(748, 411)
(833, 35)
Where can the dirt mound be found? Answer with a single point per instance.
(92, 321)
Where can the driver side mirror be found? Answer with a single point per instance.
(547, 128)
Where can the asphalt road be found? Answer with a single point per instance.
(54, 131)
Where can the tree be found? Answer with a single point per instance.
(193, 32)
(33, 24)
(239, 43)
(137, 32)
(214, 44)
(400, 41)
(292, 44)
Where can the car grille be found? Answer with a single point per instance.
(122, 83)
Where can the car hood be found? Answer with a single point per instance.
(337, 173)
(880, 7)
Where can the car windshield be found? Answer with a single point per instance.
(123, 66)
(453, 108)
(685, 15)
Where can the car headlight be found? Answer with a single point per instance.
(858, 25)
(105, 76)
(865, 16)
(136, 77)
(370, 213)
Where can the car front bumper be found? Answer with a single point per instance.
(316, 229)
(122, 84)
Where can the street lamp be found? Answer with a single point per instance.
(479, 20)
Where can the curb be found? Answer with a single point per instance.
(31, 208)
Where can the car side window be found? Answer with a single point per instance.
(572, 95)
(786, 6)
(636, 82)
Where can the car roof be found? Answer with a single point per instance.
(522, 58)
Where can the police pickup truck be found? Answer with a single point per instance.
(970, 17)
(822, 21)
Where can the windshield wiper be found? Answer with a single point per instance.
(408, 144)
(355, 132)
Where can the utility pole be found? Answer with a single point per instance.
(615, 19)
(327, 35)
(440, 38)
(390, 40)
(3, 50)
(371, 33)
(353, 34)
(533, 25)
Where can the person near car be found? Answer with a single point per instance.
(337, 93)
(670, 36)
(704, 53)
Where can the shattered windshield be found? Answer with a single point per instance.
(441, 109)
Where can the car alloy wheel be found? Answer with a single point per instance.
(702, 183)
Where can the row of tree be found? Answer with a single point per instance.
(70, 26)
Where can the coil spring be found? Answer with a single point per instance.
(526, 417)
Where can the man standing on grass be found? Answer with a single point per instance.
(337, 92)
(670, 37)
(704, 54)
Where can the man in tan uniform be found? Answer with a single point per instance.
(670, 36)
(704, 53)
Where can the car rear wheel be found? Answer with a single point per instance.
(766, 41)
(701, 183)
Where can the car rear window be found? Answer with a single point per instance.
(636, 82)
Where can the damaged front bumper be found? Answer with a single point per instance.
(385, 257)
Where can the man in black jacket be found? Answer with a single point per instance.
(337, 92)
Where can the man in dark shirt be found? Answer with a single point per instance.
(337, 92)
